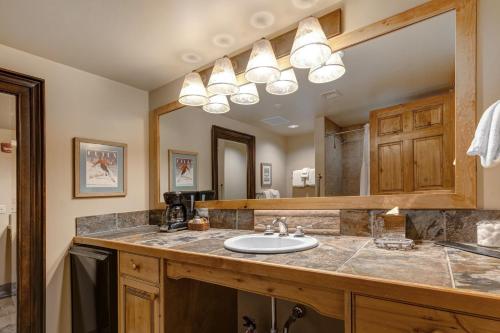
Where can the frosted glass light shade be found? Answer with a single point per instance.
(332, 70)
(247, 95)
(262, 66)
(217, 104)
(286, 84)
(310, 46)
(223, 80)
(193, 92)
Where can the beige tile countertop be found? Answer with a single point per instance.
(427, 264)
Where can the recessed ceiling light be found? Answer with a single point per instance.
(262, 20)
(191, 58)
(293, 126)
(304, 4)
(223, 40)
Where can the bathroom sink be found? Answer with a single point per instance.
(270, 244)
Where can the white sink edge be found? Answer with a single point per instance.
(310, 244)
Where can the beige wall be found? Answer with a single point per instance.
(190, 129)
(300, 154)
(79, 104)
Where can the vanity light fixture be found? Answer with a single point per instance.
(222, 80)
(286, 84)
(217, 104)
(262, 66)
(193, 92)
(331, 70)
(310, 46)
(247, 95)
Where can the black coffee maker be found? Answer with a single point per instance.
(175, 216)
(180, 208)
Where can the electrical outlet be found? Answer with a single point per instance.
(3, 209)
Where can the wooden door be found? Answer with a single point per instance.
(412, 146)
(140, 307)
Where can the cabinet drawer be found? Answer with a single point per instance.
(372, 315)
(141, 267)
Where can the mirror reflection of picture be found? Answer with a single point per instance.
(266, 174)
(183, 170)
(100, 168)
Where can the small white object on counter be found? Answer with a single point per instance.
(488, 233)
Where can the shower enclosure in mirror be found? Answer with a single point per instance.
(381, 135)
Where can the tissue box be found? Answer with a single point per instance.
(488, 233)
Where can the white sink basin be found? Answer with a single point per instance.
(270, 244)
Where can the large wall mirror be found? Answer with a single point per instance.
(391, 131)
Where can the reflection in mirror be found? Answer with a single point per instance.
(386, 126)
(8, 266)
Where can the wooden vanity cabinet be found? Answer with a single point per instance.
(140, 298)
(373, 315)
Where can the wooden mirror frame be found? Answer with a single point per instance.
(465, 192)
(30, 133)
(231, 135)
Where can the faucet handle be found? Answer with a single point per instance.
(299, 232)
(269, 230)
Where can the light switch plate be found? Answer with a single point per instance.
(3, 209)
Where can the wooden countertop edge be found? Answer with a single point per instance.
(460, 300)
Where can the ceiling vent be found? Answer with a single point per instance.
(275, 121)
(331, 94)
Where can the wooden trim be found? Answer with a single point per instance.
(231, 135)
(76, 169)
(465, 193)
(446, 298)
(30, 132)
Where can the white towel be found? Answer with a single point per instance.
(311, 178)
(486, 142)
(305, 172)
(275, 194)
(267, 194)
(297, 180)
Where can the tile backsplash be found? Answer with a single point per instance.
(452, 225)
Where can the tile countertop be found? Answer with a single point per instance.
(428, 264)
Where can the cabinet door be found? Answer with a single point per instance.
(140, 307)
(372, 315)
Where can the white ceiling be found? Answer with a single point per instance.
(7, 111)
(141, 43)
(385, 71)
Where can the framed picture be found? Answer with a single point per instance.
(182, 170)
(100, 168)
(266, 174)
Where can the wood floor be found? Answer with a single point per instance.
(8, 315)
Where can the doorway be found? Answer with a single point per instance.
(22, 204)
(233, 164)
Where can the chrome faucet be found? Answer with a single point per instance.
(283, 226)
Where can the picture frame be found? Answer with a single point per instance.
(182, 170)
(100, 168)
(266, 174)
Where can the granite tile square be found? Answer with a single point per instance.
(474, 272)
(132, 219)
(316, 222)
(425, 224)
(461, 224)
(98, 223)
(245, 220)
(222, 218)
(355, 223)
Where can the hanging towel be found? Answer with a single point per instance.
(304, 172)
(311, 178)
(486, 142)
(297, 180)
(267, 194)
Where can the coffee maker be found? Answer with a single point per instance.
(180, 208)
(175, 215)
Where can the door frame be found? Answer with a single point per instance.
(30, 153)
(230, 135)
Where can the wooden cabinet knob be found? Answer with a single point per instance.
(135, 267)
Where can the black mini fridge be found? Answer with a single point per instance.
(93, 290)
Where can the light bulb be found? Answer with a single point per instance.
(247, 95)
(222, 80)
(217, 104)
(286, 84)
(310, 46)
(262, 66)
(331, 70)
(193, 92)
